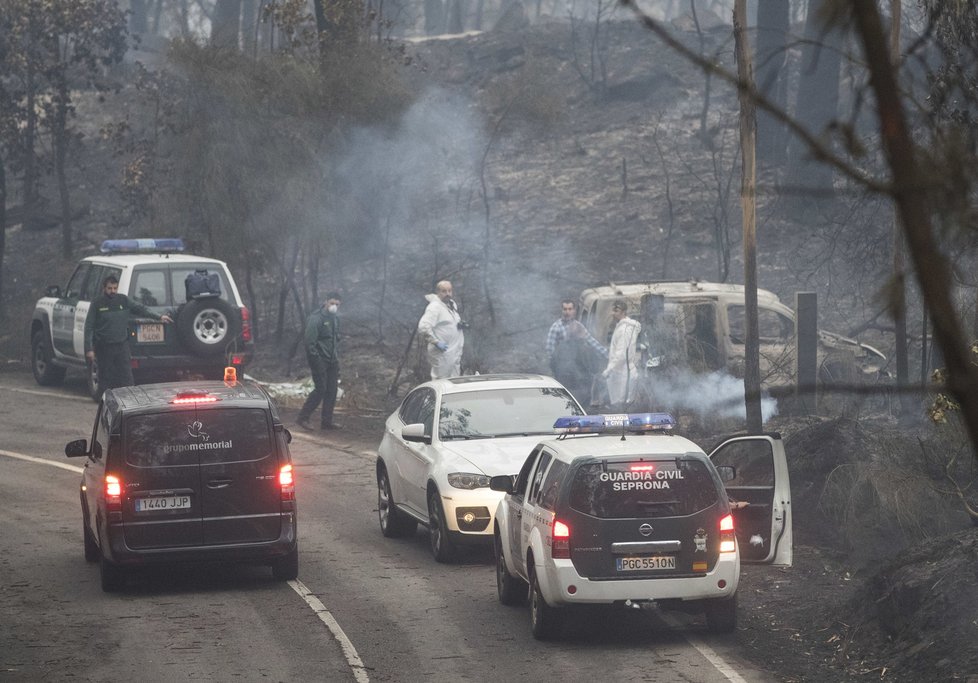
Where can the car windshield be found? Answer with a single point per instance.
(503, 412)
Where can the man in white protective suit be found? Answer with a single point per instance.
(441, 327)
(623, 358)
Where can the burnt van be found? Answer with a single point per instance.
(187, 472)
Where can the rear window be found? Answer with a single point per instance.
(643, 488)
(198, 437)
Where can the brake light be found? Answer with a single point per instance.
(182, 399)
(560, 541)
(286, 483)
(728, 538)
(113, 494)
(642, 468)
(245, 324)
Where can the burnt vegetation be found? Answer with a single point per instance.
(336, 144)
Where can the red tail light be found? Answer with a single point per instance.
(113, 495)
(728, 539)
(560, 542)
(286, 483)
(245, 324)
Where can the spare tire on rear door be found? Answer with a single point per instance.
(207, 326)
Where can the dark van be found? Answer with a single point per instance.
(187, 472)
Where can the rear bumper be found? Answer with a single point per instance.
(119, 553)
(561, 578)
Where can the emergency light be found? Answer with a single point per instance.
(162, 245)
(628, 422)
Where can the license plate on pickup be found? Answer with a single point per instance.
(162, 503)
(149, 332)
(645, 564)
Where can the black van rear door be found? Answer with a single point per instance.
(160, 475)
(241, 494)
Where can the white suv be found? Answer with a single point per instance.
(634, 515)
(211, 331)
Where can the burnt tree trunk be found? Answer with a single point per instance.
(226, 24)
(773, 24)
(60, 141)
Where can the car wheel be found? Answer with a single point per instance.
(92, 551)
(92, 381)
(286, 568)
(393, 522)
(721, 615)
(207, 326)
(442, 547)
(510, 589)
(113, 576)
(46, 373)
(543, 617)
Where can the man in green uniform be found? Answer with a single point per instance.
(107, 334)
(322, 352)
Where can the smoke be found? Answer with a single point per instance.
(715, 394)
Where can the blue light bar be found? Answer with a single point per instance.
(630, 422)
(163, 245)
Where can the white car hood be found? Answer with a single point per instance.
(492, 457)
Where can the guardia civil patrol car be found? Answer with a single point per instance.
(618, 509)
(210, 331)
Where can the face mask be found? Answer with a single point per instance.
(332, 308)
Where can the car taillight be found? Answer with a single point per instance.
(560, 542)
(245, 324)
(728, 539)
(113, 495)
(286, 483)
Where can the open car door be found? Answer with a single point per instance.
(760, 497)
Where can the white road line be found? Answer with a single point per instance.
(718, 662)
(350, 652)
(42, 461)
(49, 394)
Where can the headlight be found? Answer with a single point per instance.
(468, 480)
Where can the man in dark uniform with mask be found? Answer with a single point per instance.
(322, 351)
(107, 333)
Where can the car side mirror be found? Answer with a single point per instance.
(415, 433)
(77, 448)
(503, 482)
(53, 290)
(726, 472)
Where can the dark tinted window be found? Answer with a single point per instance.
(191, 437)
(551, 485)
(74, 287)
(100, 435)
(519, 489)
(93, 283)
(149, 287)
(538, 477)
(645, 488)
(411, 407)
(752, 460)
(503, 412)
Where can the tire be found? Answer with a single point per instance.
(511, 590)
(92, 551)
(95, 389)
(208, 326)
(286, 568)
(46, 373)
(721, 615)
(393, 522)
(113, 576)
(442, 547)
(543, 618)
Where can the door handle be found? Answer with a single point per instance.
(219, 483)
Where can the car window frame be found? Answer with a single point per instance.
(523, 478)
(81, 274)
(539, 472)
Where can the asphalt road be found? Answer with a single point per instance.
(365, 608)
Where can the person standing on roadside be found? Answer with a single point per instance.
(107, 334)
(623, 358)
(558, 333)
(442, 327)
(322, 341)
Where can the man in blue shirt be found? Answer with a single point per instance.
(566, 330)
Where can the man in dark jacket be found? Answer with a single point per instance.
(107, 334)
(322, 352)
